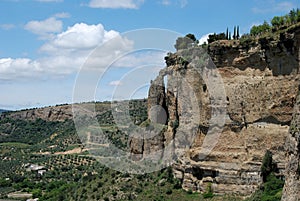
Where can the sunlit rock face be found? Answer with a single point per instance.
(291, 190)
(260, 83)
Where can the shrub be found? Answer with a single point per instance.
(169, 192)
(209, 193)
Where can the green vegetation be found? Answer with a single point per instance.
(30, 132)
(260, 29)
(215, 37)
(271, 190)
(270, 29)
(209, 193)
(277, 23)
(287, 20)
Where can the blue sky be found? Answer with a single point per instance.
(45, 43)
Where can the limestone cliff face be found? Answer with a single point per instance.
(260, 83)
(58, 113)
(279, 55)
(292, 178)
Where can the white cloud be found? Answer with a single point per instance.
(67, 51)
(115, 83)
(131, 4)
(21, 67)
(7, 26)
(45, 28)
(270, 6)
(80, 36)
(204, 38)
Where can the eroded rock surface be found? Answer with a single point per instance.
(260, 83)
(292, 177)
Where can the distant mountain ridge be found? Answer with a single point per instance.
(2, 110)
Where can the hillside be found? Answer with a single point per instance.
(220, 122)
(71, 173)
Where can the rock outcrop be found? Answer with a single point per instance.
(291, 190)
(57, 113)
(260, 87)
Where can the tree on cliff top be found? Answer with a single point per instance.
(215, 37)
(185, 42)
(257, 30)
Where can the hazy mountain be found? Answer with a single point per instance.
(2, 110)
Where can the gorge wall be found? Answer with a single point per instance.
(292, 180)
(260, 83)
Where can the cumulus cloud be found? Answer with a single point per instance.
(204, 38)
(130, 4)
(45, 28)
(270, 6)
(20, 67)
(80, 36)
(65, 52)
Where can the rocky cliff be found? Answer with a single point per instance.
(292, 178)
(254, 98)
(58, 113)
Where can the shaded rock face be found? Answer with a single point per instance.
(157, 101)
(291, 190)
(260, 84)
(169, 107)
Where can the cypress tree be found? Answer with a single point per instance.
(227, 36)
(234, 33)
(238, 32)
(267, 165)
